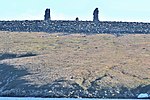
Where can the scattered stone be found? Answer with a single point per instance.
(76, 26)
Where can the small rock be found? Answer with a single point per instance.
(50, 91)
(77, 19)
(143, 95)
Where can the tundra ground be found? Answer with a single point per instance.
(98, 60)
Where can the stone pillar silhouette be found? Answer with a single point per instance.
(95, 15)
(47, 15)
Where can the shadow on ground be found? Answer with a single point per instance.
(11, 56)
(12, 84)
(10, 80)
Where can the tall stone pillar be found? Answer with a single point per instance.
(95, 15)
(47, 15)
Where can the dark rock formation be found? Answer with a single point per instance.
(95, 15)
(77, 19)
(47, 14)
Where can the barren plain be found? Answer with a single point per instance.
(74, 65)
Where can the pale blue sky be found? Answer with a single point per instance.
(109, 10)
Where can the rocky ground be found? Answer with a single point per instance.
(75, 65)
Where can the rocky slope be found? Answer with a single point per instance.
(86, 27)
(75, 65)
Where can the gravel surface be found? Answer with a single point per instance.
(75, 65)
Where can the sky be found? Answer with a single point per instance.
(109, 10)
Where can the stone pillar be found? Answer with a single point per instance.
(95, 15)
(47, 15)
